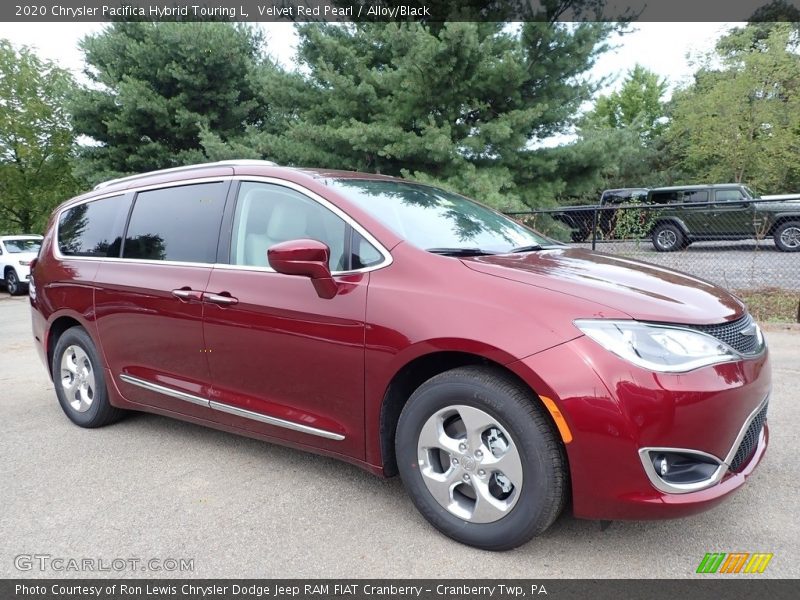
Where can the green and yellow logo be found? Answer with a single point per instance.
(734, 562)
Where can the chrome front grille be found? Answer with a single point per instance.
(731, 334)
(750, 440)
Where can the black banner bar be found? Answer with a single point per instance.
(399, 10)
(729, 587)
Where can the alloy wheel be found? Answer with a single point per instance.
(77, 378)
(790, 237)
(470, 464)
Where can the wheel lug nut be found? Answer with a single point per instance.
(466, 477)
(478, 454)
(481, 472)
(462, 446)
(455, 461)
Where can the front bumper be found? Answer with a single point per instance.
(615, 409)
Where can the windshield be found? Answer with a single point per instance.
(433, 219)
(17, 246)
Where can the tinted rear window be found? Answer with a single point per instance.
(93, 228)
(178, 223)
(695, 196)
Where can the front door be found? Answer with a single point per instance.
(285, 362)
(733, 214)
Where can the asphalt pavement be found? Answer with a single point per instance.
(735, 265)
(150, 489)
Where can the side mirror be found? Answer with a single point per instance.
(308, 258)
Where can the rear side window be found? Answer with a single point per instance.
(93, 228)
(695, 196)
(177, 223)
(664, 197)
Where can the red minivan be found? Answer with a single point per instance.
(405, 329)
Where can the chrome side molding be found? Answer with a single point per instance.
(227, 408)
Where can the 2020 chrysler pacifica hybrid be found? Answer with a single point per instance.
(405, 329)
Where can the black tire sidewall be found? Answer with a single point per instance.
(77, 336)
(15, 290)
(527, 518)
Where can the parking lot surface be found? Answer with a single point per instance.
(737, 265)
(154, 488)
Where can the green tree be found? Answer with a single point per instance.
(461, 104)
(36, 139)
(167, 94)
(638, 105)
(626, 129)
(740, 120)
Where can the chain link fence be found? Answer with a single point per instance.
(751, 248)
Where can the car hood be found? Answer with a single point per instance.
(793, 198)
(778, 203)
(16, 256)
(643, 291)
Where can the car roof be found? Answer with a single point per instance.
(313, 172)
(225, 168)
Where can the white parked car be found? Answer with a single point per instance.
(16, 254)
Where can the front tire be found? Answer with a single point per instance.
(13, 285)
(668, 238)
(79, 379)
(480, 459)
(787, 236)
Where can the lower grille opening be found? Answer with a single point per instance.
(750, 440)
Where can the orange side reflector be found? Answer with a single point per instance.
(561, 422)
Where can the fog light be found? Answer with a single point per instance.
(681, 470)
(683, 467)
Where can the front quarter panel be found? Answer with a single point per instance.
(410, 313)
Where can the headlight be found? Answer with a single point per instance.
(657, 347)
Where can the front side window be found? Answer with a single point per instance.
(729, 196)
(178, 223)
(268, 214)
(437, 220)
(93, 228)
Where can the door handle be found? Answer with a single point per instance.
(186, 293)
(223, 299)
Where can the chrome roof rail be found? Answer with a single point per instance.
(222, 163)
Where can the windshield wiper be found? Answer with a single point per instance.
(460, 251)
(528, 248)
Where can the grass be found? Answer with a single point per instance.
(772, 304)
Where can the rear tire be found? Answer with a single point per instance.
(480, 459)
(668, 238)
(79, 379)
(787, 236)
